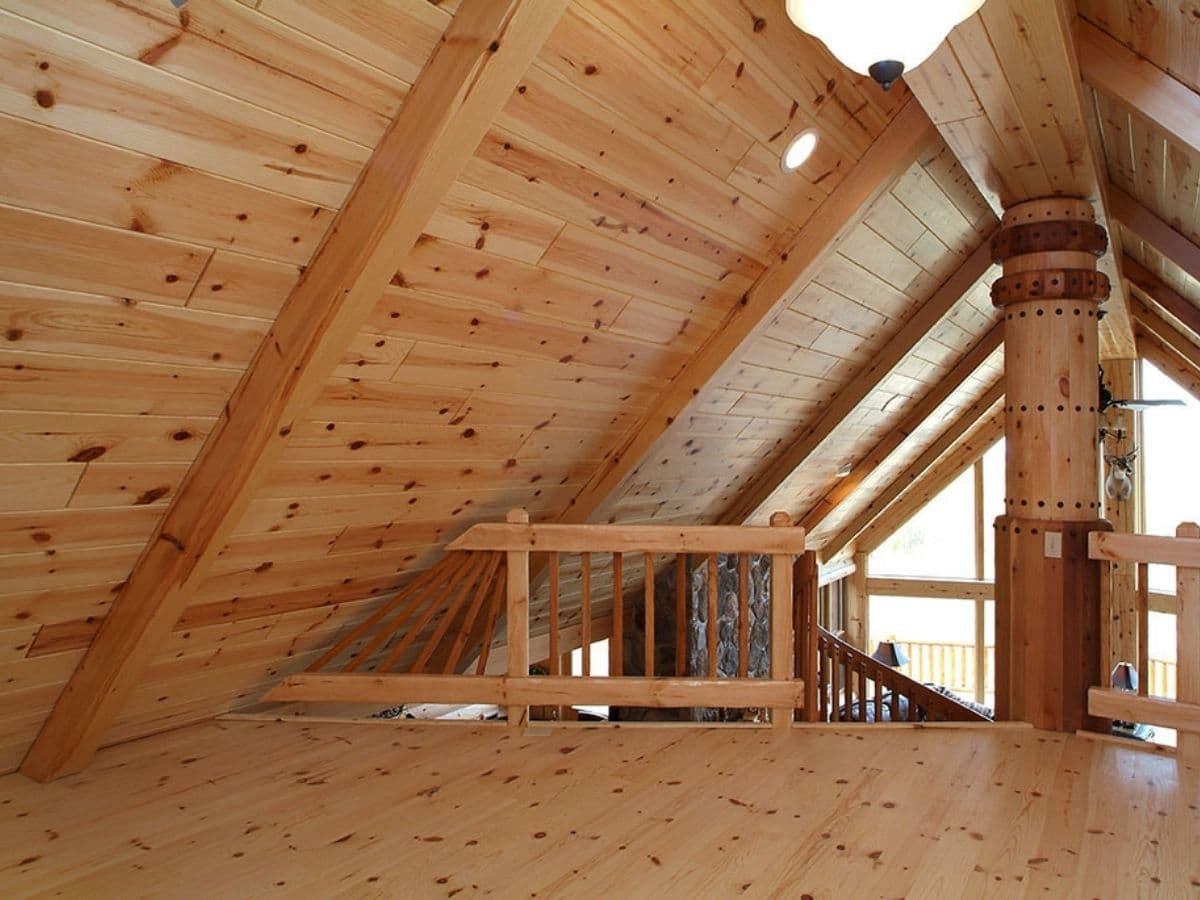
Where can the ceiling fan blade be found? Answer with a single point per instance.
(1145, 404)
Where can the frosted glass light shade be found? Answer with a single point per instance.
(863, 32)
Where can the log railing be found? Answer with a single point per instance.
(409, 649)
(854, 687)
(1182, 552)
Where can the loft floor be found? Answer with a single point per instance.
(241, 808)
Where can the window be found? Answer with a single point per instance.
(949, 641)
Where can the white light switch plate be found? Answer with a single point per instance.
(1053, 545)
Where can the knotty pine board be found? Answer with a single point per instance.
(992, 801)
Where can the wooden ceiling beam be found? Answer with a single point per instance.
(1160, 235)
(963, 456)
(1149, 285)
(916, 417)
(950, 437)
(1151, 321)
(485, 51)
(1005, 92)
(899, 146)
(1177, 367)
(895, 351)
(1111, 67)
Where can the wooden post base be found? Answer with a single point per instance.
(1047, 622)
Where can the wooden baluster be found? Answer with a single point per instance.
(782, 616)
(518, 618)
(711, 631)
(835, 683)
(681, 614)
(895, 702)
(1106, 624)
(878, 698)
(1143, 625)
(555, 652)
(616, 646)
(649, 652)
(743, 618)
(1187, 644)
(585, 606)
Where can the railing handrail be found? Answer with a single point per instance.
(728, 539)
(917, 693)
(1115, 546)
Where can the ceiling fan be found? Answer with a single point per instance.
(1108, 401)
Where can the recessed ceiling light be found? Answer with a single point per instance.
(844, 469)
(799, 150)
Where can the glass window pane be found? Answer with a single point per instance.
(939, 541)
(1170, 436)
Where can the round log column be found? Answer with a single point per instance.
(1047, 591)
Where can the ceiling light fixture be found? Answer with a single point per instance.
(880, 38)
(799, 149)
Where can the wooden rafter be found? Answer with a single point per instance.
(895, 150)
(1149, 320)
(1179, 368)
(1150, 285)
(1160, 235)
(1004, 91)
(486, 49)
(925, 407)
(949, 438)
(860, 387)
(974, 444)
(1111, 67)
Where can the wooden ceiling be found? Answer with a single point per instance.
(168, 176)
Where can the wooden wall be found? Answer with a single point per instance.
(168, 174)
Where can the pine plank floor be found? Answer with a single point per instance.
(245, 808)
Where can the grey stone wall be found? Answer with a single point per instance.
(697, 630)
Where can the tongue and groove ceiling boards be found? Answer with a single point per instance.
(168, 175)
(615, 306)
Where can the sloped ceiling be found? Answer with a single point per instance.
(168, 176)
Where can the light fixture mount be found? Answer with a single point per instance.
(886, 72)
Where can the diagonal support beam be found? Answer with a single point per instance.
(1150, 321)
(860, 387)
(977, 442)
(1154, 231)
(895, 150)
(1148, 284)
(1005, 92)
(484, 52)
(925, 407)
(1111, 67)
(1179, 368)
(947, 439)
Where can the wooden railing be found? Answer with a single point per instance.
(490, 566)
(1182, 552)
(853, 687)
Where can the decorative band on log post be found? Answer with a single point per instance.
(1047, 591)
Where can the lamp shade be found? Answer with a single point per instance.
(1124, 677)
(880, 38)
(889, 654)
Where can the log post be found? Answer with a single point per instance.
(781, 622)
(517, 607)
(1048, 592)
(806, 589)
(1187, 636)
(1121, 614)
